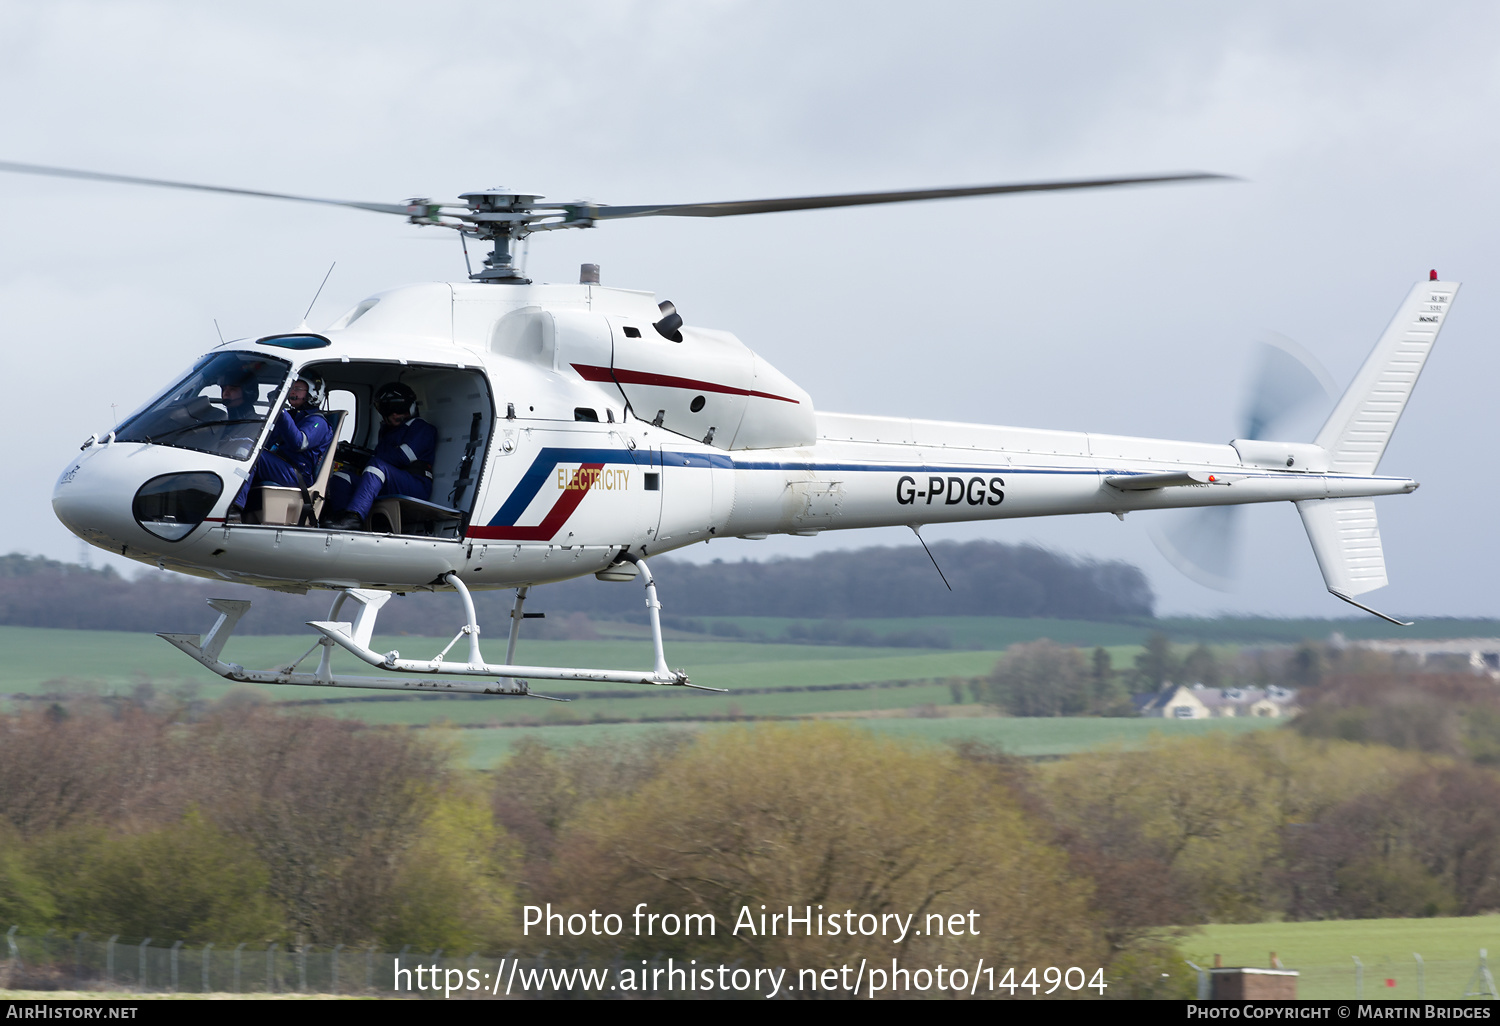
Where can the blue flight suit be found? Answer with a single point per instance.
(402, 465)
(298, 440)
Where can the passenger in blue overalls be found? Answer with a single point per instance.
(402, 464)
(299, 438)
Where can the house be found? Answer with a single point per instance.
(1196, 702)
(1482, 655)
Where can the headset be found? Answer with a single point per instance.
(314, 387)
(396, 398)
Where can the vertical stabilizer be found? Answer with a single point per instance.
(1361, 425)
(1345, 537)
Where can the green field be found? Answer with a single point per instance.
(903, 692)
(985, 632)
(998, 632)
(1324, 953)
(38, 660)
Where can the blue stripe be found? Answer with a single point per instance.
(904, 468)
(542, 467)
(547, 460)
(697, 459)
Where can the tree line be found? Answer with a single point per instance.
(988, 578)
(1371, 695)
(1044, 678)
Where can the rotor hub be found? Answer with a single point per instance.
(500, 217)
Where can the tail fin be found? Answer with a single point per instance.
(1344, 533)
(1361, 425)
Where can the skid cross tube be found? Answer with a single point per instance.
(356, 637)
(206, 651)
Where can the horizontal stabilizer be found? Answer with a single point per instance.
(1172, 479)
(1361, 425)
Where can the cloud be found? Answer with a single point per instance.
(1365, 133)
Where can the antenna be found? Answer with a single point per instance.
(219, 330)
(916, 530)
(320, 291)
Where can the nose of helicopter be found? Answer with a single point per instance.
(135, 497)
(92, 498)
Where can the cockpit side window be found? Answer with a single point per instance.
(343, 399)
(220, 407)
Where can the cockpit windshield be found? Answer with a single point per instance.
(220, 407)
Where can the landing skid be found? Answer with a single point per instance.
(355, 637)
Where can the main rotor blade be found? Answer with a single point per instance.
(859, 199)
(98, 176)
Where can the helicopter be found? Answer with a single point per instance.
(581, 429)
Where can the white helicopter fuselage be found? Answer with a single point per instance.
(589, 434)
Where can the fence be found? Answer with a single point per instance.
(82, 962)
(1386, 978)
(110, 964)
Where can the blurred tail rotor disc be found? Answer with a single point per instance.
(1204, 544)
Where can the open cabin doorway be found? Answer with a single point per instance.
(457, 402)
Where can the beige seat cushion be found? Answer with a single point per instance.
(280, 504)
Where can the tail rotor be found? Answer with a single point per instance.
(1204, 543)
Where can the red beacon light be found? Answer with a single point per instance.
(1432, 275)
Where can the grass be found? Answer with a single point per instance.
(762, 678)
(998, 632)
(898, 691)
(987, 632)
(1324, 953)
(40, 660)
(34, 656)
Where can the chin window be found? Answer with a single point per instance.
(172, 505)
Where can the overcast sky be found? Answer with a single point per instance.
(1366, 135)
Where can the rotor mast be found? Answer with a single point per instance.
(500, 218)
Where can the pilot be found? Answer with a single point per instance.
(402, 464)
(237, 404)
(240, 422)
(299, 438)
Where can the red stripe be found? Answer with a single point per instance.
(553, 521)
(588, 373)
(630, 377)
